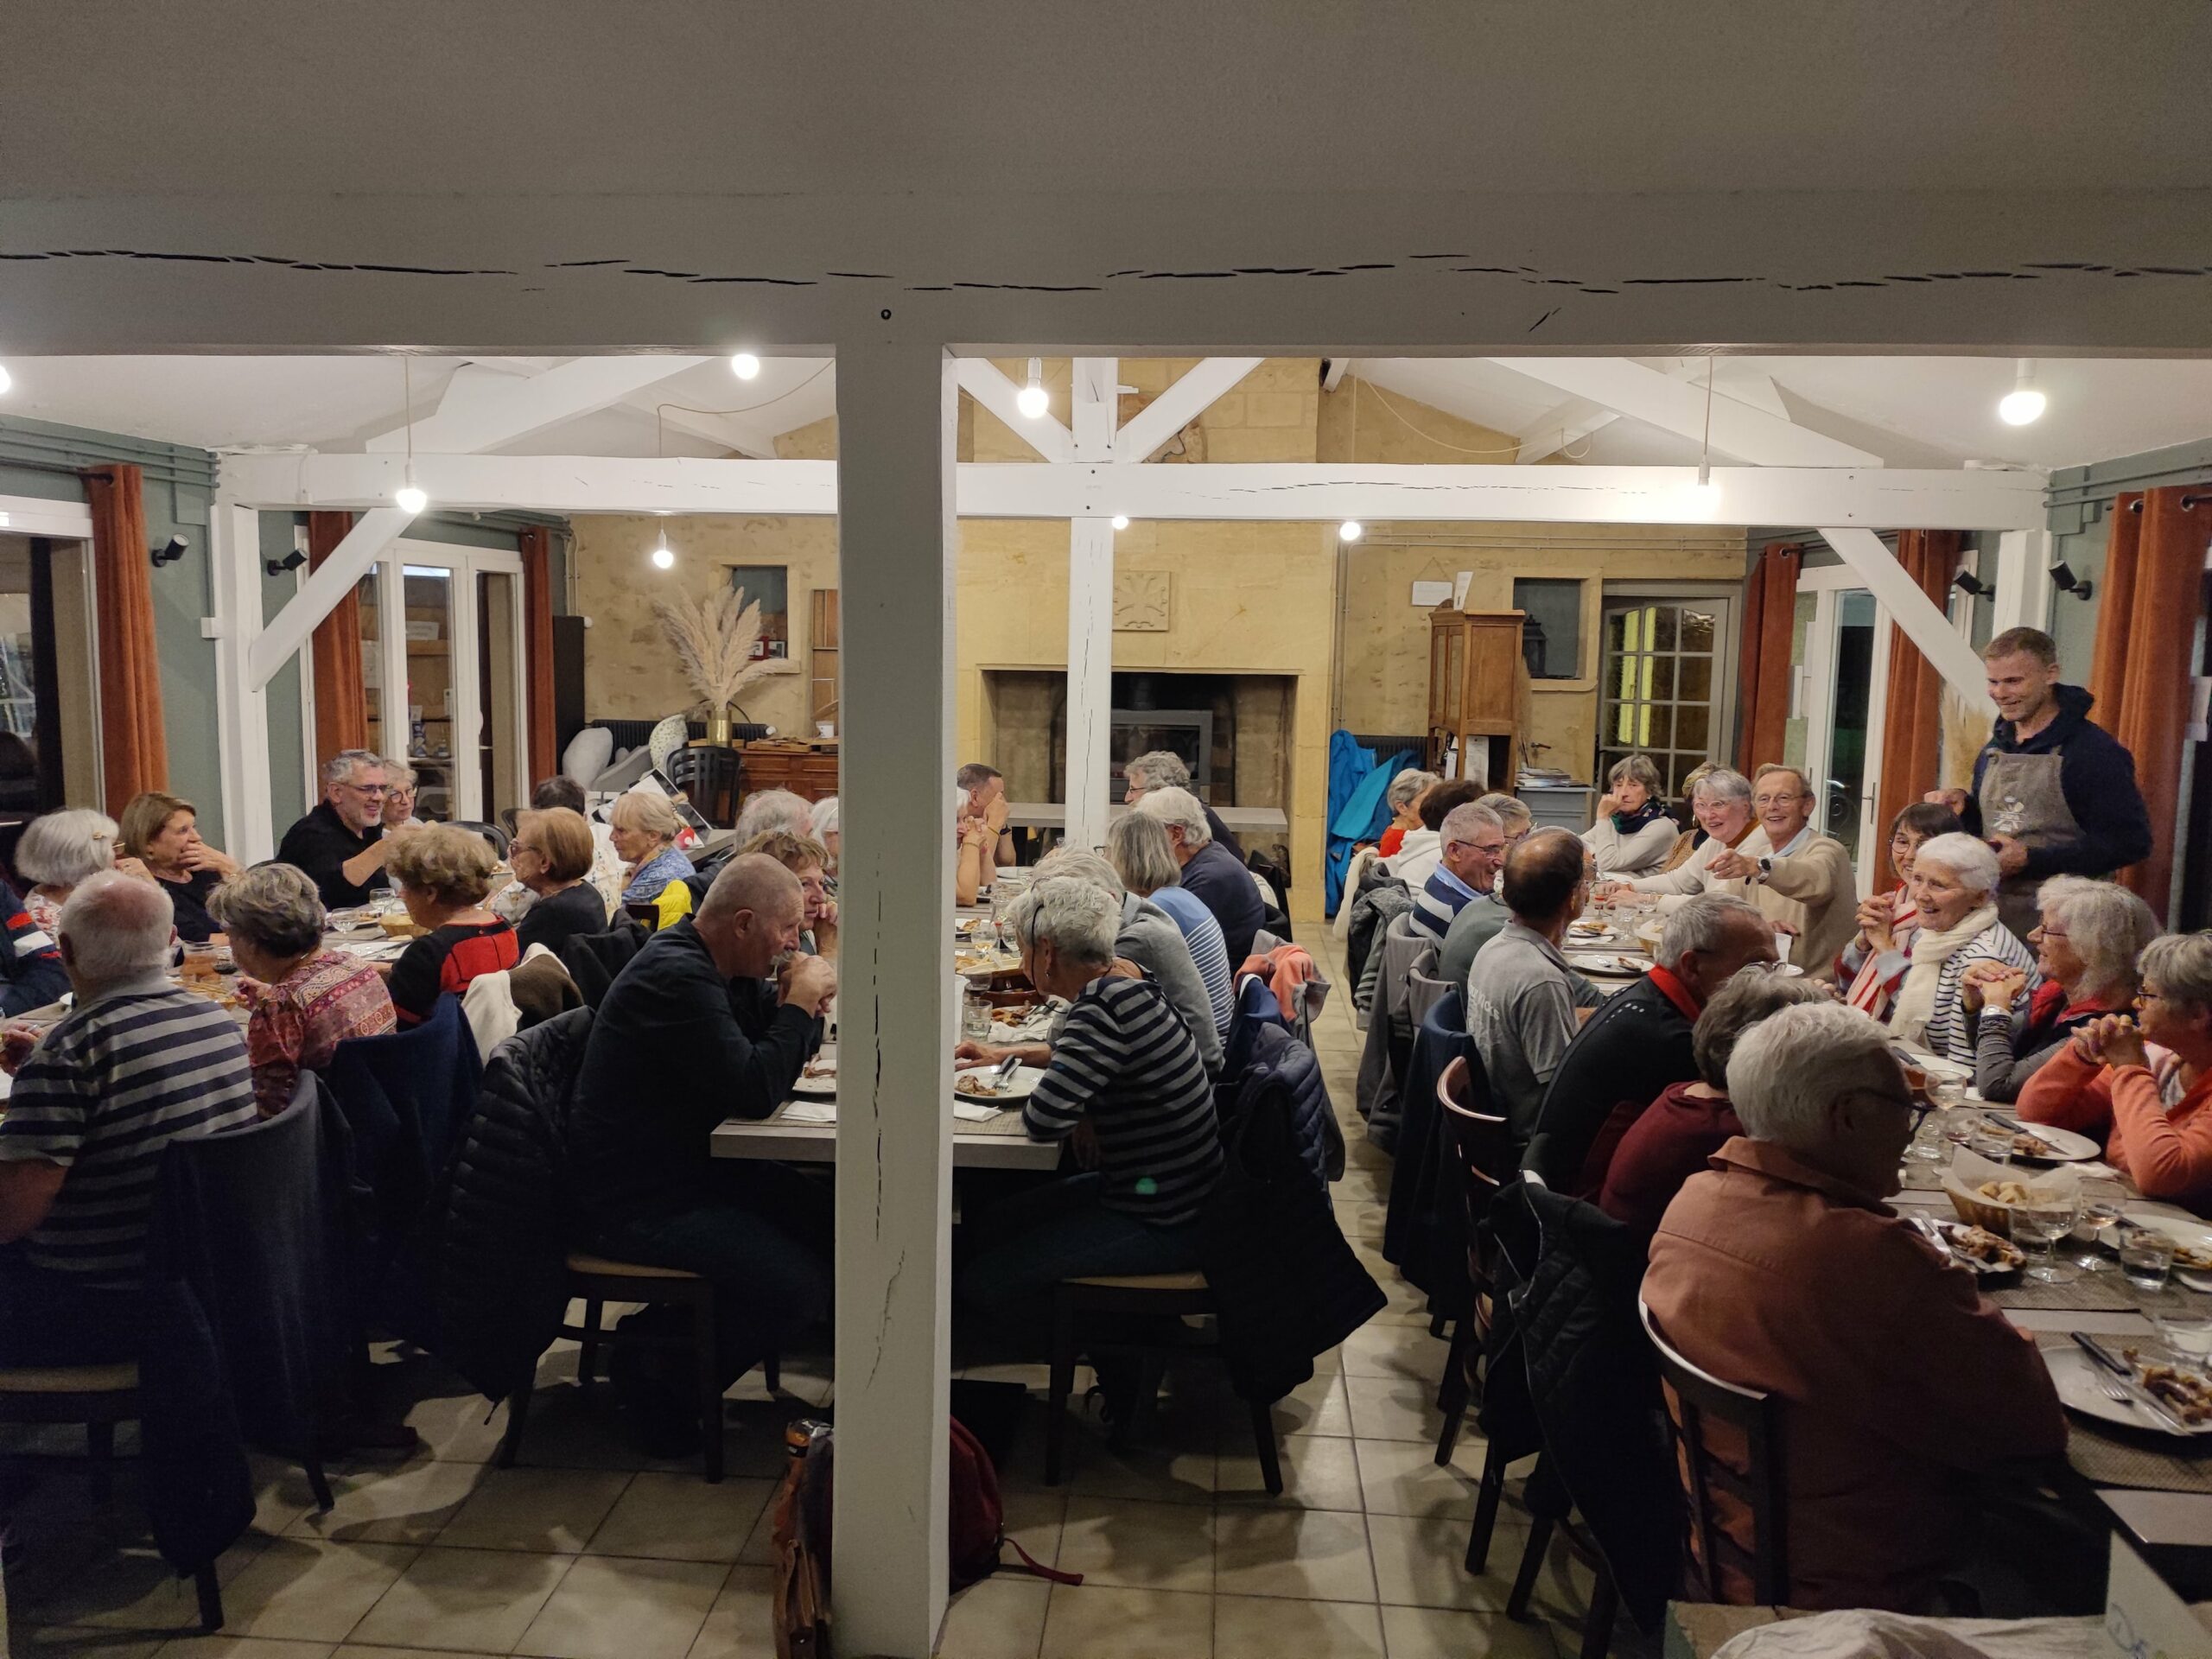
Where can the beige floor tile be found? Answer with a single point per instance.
(999, 1618)
(1314, 1554)
(672, 1517)
(224, 1645)
(1099, 1622)
(407, 1505)
(572, 1427)
(1033, 1520)
(760, 1544)
(1318, 1472)
(456, 1428)
(1360, 1218)
(1405, 1300)
(311, 1589)
(1316, 1405)
(281, 1493)
(1393, 1409)
(1437, 1633)
(1260, 1627)
(132, 1589)
(1422, 1563)
(1144, 1473)
(1402, 1477)
(28, 1641)
(741, 1623)
(481, 1601)
(555, 1509)
(621, 1608)
(351, 1650)
(1138, 1546)
(1362, 1182)
(1395, 1351)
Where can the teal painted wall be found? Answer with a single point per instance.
(2080, 524)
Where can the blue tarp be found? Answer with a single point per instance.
(1357, 812)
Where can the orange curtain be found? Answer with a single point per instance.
(134, 747)
(341, 703)
(2153, 594)
(1912, 729)
(1770, 617)
(536, 544)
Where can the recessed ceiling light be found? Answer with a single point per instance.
(744, 365)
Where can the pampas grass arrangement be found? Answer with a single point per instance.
(713, 638)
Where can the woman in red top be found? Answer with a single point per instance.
(443, 874)
(2151, 1075)
(1403, 798)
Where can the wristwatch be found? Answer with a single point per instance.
(1766, 866)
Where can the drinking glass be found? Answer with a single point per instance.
(2047, 1216)
(1928, 1143)
(2146, 1258)
(2185, 1327)
(2099, 1209)
(1986, 1141)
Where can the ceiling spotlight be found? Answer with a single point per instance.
(744, 365)
(2063, 578)
(662, 559)
(6, 378)
(1030, 399)
(1121, 521)
(2023, 403)
(1971, 585)
(409, 497)
(1350, 530)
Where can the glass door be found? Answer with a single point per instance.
(1844, 795)
(427, 594)
(1843, 690)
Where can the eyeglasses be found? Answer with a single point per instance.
(370, 789)
(1777, 800)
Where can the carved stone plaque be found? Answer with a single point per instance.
(1141, 601)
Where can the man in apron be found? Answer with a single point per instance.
(2054, 794)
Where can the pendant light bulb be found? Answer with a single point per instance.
(745, 366)
(2025, 404)
(1121, 521)
(663, 558)
(1350, 530)
(1030, 399)
(6, 379)
(410, 498)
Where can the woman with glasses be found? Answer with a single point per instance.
(1873, 964)
(2149, 1077)
(400, 780)
(2086, 948)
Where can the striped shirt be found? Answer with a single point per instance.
(109, 1088)
(1950, 1029)
(1209, 951)
(1125, 1061)
(1442, 898)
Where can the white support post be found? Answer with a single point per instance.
(897, 413)
(241, 706)
(1920, 617)
(2022, 583)
(1090, 616)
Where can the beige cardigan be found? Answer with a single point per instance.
(1814, 890)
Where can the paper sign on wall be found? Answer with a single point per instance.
(1461, 583)
(2143, 1618)
(1428, 594)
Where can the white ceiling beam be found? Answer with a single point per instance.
(1738, 430)
(1154, 426)
(317, 596)
(1571, 422)
(1921, 618)
(491, 408)
(982, 380)
(1875, 499)
(1332, 375)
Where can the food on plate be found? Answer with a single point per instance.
(2004, 1191)
(971, 962)
(2028, 1146)
(2192, 1257)
(1980, 1244)
(981, 1083)
(2186, 1393)
(819, 1069)
(1586, 928)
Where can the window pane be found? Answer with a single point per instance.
(1662, 677)
(1694, 679)
(1552, 634)
(1617, 632)
(1691, 725)
(1697, 631)
(770, 584)
(1663, 627)
(1658, 729)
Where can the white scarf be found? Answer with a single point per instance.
(1931, 947)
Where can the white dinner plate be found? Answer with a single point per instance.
(821, 1088)
(2077, 1378)
(1019, 1087)
(1589, 933)
(1609, 964)
(2066, 1147)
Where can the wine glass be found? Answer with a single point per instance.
(2048, 1215)
(2100, 1209)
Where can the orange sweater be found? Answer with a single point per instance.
(2166, 1152)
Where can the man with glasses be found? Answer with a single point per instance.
(1800, 880)
(1473, 845)
(343, 843)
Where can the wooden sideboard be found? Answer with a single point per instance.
(809, 769)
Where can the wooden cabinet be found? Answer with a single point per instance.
(809, 770)
(1475, 693)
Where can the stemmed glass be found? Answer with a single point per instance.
(2100, 1207)
(2050, 1213)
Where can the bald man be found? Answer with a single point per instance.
(711, 1020)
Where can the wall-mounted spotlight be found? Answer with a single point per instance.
(1971, 585)
(291, 561)
(169, 551)
(2063, 578)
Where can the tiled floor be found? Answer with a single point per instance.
(592, 1552)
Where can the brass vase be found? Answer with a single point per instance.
(718, 727)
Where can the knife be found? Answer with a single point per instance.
(2124, 1374)
(1007, 1067)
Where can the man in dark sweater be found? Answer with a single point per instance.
(2052, 793)
(1638, 1042)
(1212, 874)
(692, 1033)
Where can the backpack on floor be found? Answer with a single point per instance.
(975, 1532)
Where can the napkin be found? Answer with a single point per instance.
(810, 1111)
(974, 1111)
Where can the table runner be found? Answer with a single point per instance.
(2108, 1455)
(2091, 1292)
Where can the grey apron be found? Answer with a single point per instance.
(2021, 798)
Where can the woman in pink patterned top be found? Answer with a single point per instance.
(306, 1000)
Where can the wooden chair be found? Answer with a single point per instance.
(597, 1280)
(1481, 1148)
(1694, 1396)
(99, 1397)
(1168, 1296)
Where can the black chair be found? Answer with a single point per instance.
(1755, 1419)
(495, 834)
(1480, 1141)
(708, 775)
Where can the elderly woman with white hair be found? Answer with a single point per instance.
(59, 849)
(1720, 801)
(1954, 887)
(1633, 835)
(1127, 1084)
(2085, 949)
(1137, 849)
(1212, 874)
(645, 827)
(1781, 1269)
(1402, 797)
(825, 829)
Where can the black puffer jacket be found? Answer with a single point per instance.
(503, 1230)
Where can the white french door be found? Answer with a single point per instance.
(1842, 694)
(450, 645)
